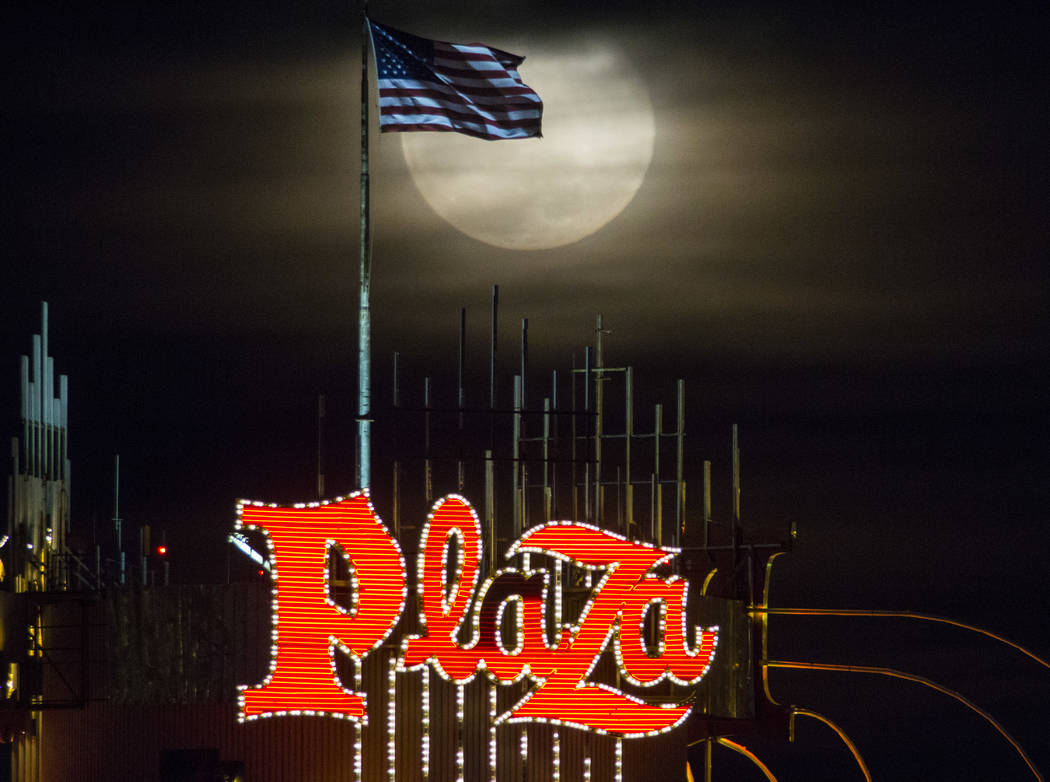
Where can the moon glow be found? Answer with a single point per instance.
(534, 194)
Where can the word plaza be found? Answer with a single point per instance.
(462, 626)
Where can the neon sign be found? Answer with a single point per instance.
(462, 625)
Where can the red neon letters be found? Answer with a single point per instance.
(566, 696)
(462, 626)
(307, 624)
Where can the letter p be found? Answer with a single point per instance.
(307, 624)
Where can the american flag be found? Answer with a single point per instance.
(465, 88)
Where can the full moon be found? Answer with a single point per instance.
(534, 194)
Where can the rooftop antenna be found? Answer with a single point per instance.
(321, 412)
(117, 521)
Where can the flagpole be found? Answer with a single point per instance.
(364, 341)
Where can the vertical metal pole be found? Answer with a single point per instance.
(628, 436)
(397, 463)
(364, 319)
(516, 457)
(493, 346)
(736, 512)
(679, 485)
(619, 499)
(49, 416)
(13, 481)
(521, 498)
(657, 487)
(546, 458)
(707, 504)
(461, 397)
(44, 391)
(587, 515)
(652, 507)
(490, 510)
(63, 402)
(320, 445)
(63, 422)
(554, 434)
(524, 357)
(116, 505)
(428, 480)
(143, 551)
(572, 441)
(38, 382)
(490, 465)
(736, 477)
(599, 381)
(27, 414)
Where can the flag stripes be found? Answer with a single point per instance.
(429, 85)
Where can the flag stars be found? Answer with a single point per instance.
(423, 87)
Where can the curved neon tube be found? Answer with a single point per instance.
(841, 733)
(911, 678)
(765, 627)
(899, 615)
(707, 580)
(749, 755)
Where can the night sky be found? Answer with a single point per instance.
(841, 243)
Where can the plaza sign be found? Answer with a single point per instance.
(308, 624)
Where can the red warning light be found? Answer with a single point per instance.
(162, 550)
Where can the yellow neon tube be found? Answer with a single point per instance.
(911, 678)
(842, 735)
(900, 615)
(749, 755)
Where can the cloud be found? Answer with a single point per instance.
(808, 208)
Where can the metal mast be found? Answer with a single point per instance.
(364, 320)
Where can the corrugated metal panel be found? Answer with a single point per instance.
(25, 758)
(221, 634)
(111, 741)
(116, 742)
(184, 644)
